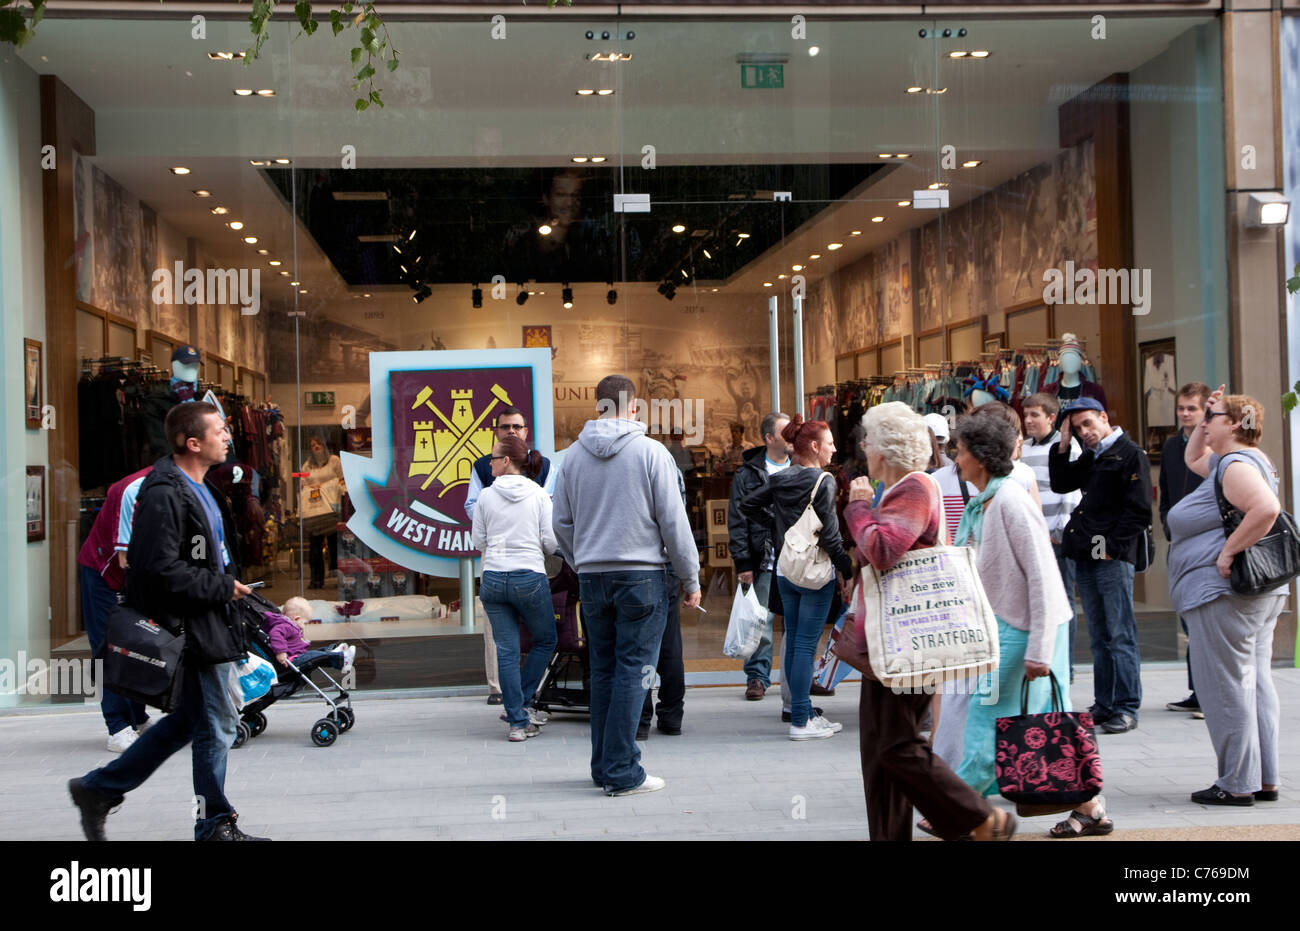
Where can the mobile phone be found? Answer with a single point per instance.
(255, 585)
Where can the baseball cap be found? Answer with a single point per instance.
(186, 355)
(938, 424)
(1078, 404)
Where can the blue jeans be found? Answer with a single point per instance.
(508, 597)
(805, 619)
(626, 613)
(1066, 566)
(759, 665)
(97, 603)
(205, 715)
(332, 658)
(1106, 591)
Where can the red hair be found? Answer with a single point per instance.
(801, 434)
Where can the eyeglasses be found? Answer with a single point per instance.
(1210, 415)
(512, 427)
(495, 458)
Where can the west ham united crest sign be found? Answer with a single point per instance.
(432, 418)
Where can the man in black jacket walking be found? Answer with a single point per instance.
(751, 545)
(181, 571)
(1102, 538)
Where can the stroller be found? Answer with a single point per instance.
(566, 685)
(289, 680)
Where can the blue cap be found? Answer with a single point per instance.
(186, 355)
(1078, 404)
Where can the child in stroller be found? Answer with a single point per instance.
(286, 633)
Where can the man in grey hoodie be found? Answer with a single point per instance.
(620, 522)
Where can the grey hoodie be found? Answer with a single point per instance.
(619, 505)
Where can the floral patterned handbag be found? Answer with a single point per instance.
(1047, 762)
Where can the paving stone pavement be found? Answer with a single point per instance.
(441, 768)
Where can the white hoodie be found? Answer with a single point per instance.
(512, 525)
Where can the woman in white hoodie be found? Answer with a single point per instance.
(512, 529)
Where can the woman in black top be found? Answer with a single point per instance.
(787, 494)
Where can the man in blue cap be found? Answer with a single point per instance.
(1102, 538)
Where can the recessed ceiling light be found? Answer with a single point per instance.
(903, 155)
(715, 289)
(580, 159)
(367, 294)
(597, 159)
(832, 246)
(263, 251)
(276, 262)
(236, 225)
(259, 162)
(936, 185)
(266, 92)
(973, 163)
(604, 92)
(942, 90)
(796, 268)
(678, 228)
(742, 235)
(812, 51)
(243, 92)
(815, 256)
(957, 54)
(982, 53)
(585, 92)
(767, 284)
(295, 283)
(282, 161)
(904, 203)
(544, 229)
(202, 193)
(914, 89)
(180, 170)
(783, 275)
(302, 290)
(286, 274)
(220, 211)
(886, 154)
(877, 219)
(251, 240)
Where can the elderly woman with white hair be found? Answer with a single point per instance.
(899, 770)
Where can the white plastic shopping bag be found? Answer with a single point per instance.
(250, 679)
(745, 629)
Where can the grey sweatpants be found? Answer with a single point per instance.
(1234, 684)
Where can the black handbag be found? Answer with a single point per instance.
(1047, 762)
(1273, 561)
(142, 659)
(1146, 550)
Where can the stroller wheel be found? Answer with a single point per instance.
(256, 723)
(324, 732)
(346, 719)
(242, 733)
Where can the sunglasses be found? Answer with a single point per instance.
(1210, 415)
(512, 427)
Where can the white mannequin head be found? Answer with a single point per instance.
(979, 397)
(1070, 362)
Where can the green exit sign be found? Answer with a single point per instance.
(320, 398)
(762, 76)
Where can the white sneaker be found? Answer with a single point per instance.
(651, 784)
(538, 717)
(810, 731)
(835, 726)
(349, 653)
(122, 740)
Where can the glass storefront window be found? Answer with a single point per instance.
(920, 197)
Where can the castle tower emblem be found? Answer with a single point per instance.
(447, 453)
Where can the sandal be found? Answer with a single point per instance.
(929, 829)
(1008, 830)
(1081, 825)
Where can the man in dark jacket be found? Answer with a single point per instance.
(1176, 483)
(751, 545)
(1102, 538)
(181, 572)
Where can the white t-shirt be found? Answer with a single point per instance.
(772, 469)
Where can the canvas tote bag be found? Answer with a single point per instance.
(927, 620)
(803, 562)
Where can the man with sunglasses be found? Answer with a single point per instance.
(1102, 538)
(510, 422)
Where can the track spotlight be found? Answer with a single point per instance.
(477, 296)
(567, 295)
(424, 292)
(611, 297)
(522, 297)
(668, 289)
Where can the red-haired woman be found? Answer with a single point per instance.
(782, 500)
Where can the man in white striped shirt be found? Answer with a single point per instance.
(1039, 413)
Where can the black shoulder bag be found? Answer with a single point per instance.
(1273, 561)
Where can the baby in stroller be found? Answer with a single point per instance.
(286, 634)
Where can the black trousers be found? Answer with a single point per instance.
(672, 672)
(316, 559)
